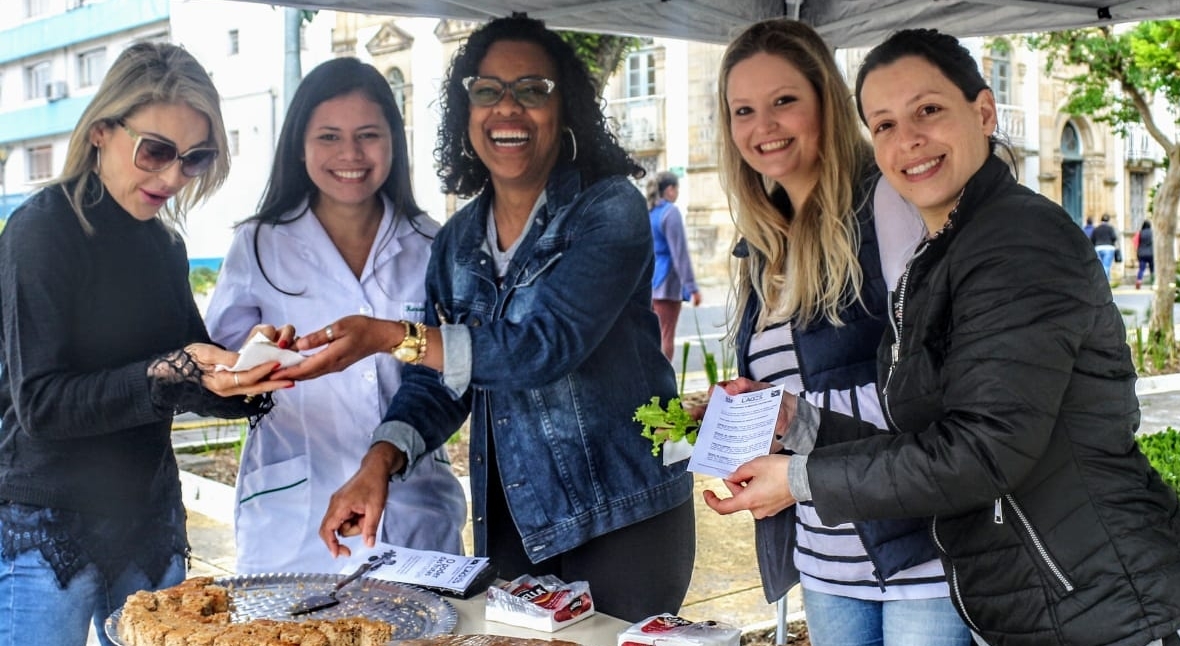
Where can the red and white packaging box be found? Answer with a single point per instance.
(670, 630)
(544, 603)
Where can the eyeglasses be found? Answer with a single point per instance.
(154, 155)
(529, 92)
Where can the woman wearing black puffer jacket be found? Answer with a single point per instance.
(1009, 385)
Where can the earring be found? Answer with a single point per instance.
(466, 150)
(97, 159)
(573, 142)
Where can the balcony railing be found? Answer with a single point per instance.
(639, 122)
(1011, 123)
(1140, 147)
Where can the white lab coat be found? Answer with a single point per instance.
(314, 438)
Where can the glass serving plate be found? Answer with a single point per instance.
(412, 612)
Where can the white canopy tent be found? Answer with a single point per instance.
(843, 23)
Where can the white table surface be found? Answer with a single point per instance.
(596, 630)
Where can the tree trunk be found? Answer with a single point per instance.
(610, 53)
(1162, 331)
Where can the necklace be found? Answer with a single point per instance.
(946, 226)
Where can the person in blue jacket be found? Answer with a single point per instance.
(539, 329)
(673, 281)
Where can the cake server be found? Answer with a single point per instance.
(321, 601)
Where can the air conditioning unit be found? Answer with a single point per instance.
(57, 90)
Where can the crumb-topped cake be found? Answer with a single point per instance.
(197, 613)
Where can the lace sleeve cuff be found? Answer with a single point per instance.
(174, 382)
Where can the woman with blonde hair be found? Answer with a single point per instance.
(821, 240)
(102, 345)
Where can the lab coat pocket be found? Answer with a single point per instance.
(273, 501)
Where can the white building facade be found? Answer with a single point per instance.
(662, 100)
(54, 53)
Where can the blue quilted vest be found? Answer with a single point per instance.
(837, 358)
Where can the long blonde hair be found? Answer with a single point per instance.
(145, 74)
(803, 265)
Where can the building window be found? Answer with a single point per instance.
(1137, 194)
(34, 8)
(233, 42)
(36, 80)
(641, 74)
(397, 83)
(91, 67)
(233, 140)
(40, 163)
(1001, 80)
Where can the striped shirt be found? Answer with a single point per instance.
(832, 559)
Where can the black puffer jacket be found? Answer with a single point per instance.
(1014, 394)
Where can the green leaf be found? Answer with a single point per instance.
(1163, 452)
(666, 423)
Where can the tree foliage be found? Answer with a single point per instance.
(1120, 79)
(602, 53)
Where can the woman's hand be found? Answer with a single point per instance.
(786, 410)
(759, 486)
(357, 506)
(225, 383)
(345, 342)
(283, 336)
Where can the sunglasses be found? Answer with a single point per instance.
(529, 92)
(154, 155)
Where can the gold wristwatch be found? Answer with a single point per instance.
(412, 349)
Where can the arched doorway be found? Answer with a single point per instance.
(1071, 172)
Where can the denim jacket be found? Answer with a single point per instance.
(562, 353)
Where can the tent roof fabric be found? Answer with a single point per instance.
(843, 23)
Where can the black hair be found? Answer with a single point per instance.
(598, 152)
(940, 50)
(289, 184)
(666, 179)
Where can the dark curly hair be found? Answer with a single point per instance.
(599, 153)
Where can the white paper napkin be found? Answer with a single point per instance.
(259, 350)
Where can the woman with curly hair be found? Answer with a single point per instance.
(539, 327)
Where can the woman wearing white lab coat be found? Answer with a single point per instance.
(337, 233)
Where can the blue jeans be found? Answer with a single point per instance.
(35, 611)
(1106, 255)
(1148, 265)
(843, 621)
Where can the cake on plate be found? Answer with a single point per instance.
(197, 613)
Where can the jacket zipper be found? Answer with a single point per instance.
(897, 314)
(1037, 543)
(956, 593)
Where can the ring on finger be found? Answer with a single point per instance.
(236, 382)
(328, 331)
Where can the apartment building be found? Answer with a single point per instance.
(54, 53)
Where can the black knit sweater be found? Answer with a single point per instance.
(82, 315)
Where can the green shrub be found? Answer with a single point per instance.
(202, 279)
(1163, 452)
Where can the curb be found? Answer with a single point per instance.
(1158, 384)
(208, 498)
